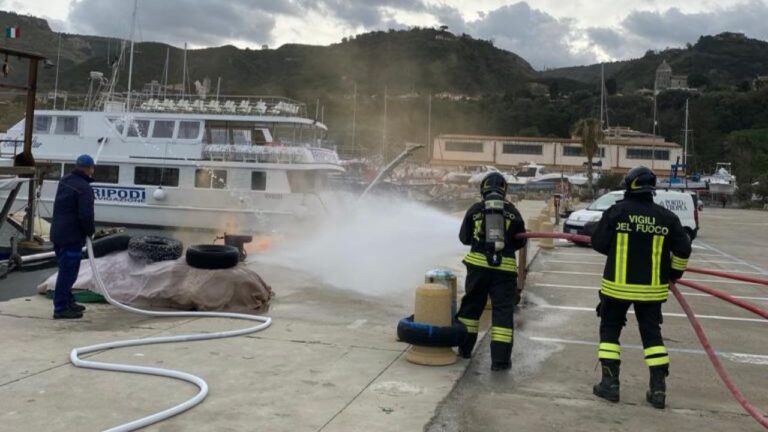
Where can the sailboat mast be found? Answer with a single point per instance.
(56, 83)
(602, 95)
(384, 128)
(685, 138)
(184, 74)
(354, 119)
(130, 63)
(165, 72)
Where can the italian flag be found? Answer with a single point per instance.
(12, 32)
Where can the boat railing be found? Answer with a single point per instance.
(232, 105)
(268, 154)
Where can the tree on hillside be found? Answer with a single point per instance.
(590, 133)
(697, 80)
(610, 86)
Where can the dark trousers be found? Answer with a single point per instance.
(613, 317)
(69, 266)
(501, 287)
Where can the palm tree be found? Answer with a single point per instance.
(590, 133)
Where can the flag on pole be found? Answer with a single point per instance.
(12, 32)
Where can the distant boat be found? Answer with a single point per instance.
(722, 181)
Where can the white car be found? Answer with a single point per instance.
(680, 203)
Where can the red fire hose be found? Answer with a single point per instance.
(754, 412)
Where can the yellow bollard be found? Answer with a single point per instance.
(547, 243)
(433, 306)
(533, 224)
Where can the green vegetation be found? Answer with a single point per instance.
(590, 133)
(477, 88)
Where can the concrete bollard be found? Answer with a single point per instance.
(448, 279)
(433, 306)
(547, 243)
(533, 224)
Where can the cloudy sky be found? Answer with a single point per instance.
(547, 33)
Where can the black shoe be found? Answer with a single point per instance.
(608, 387)
(67, 314)
(77, 307)
(500, 366)
(657, 393)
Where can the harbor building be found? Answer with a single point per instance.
(623, 148)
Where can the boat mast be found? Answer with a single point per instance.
(130, 62)
(56, 82)
(165, 72)
(354, 119)
(384, 128)
(184, 74)
(602, 95)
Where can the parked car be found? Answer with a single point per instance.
(680, 203)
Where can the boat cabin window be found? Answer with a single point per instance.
(66, 125)
(103, 173)
(50, 170)
(217, 136)
(259, 137)
(43, 124)
(240, 136)
(258, 180)
(208, 178)
(138, 128)
(156, 176)
(118, 124)
(189, 130)
(163, 129)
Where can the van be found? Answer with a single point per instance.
(680, 203)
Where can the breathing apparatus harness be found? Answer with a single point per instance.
(494, 189)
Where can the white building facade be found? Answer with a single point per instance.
(623, 149)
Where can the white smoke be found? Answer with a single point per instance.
(376, 246)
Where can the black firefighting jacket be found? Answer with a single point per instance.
(473, 233)
(646, 248)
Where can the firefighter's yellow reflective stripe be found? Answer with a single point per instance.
(470, 324)
(507, 223)
(501, 334)
(610, 351)
(679, 263)
(477, 229)
(622, 249)
(605, 346)
(657, 361)
(635, 292)
(658, 247)
(508, 264)
(661, 349)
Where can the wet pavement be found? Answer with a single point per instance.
(554, 360)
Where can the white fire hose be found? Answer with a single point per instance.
(74, 356)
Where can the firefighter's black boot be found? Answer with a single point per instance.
(466, 347)
(657, 393)
(608, 387)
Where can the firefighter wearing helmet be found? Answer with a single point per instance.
(489, 227)
(646, 249)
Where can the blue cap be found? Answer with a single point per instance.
(84, 161)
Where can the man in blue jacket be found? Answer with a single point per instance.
(73, 221)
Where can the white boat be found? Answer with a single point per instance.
(478, 177)
(231, 169)
(722, 181)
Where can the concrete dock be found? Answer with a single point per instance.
(331, 362)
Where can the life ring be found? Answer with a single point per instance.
(212, 257)
(427, 335)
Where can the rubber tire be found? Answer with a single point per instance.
(422, 334)
(212, 257)
(154, 248)
(113, 243)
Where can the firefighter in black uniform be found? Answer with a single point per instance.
(490, 227)
(646, 249)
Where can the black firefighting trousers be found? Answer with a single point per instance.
(613, 316)
(501, 287)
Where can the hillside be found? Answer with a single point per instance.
(418, 60)
(725, 60)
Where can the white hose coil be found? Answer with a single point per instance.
(74, 356)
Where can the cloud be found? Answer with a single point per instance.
(540, 38)
(202, 23)
(643, 30)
